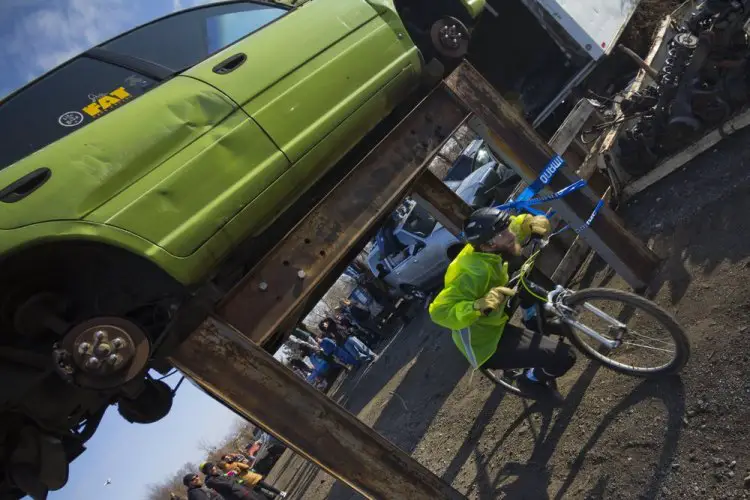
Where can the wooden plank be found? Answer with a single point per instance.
(250, 381)
(567, 267)
(676, 161)
(575, 256)
(571, 126)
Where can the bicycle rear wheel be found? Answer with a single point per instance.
(506, 380)
(651, 342)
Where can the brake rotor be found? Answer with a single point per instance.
(450, 37)
(106, 352)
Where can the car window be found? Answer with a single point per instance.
(420, 222)
(180, 41)
(406, 238)
(62, 102)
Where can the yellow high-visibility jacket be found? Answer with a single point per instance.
(469, 277)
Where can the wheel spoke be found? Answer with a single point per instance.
(647, 337)
(656, 335)
(648, 347)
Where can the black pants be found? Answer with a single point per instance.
(267, 490)
(522, 348)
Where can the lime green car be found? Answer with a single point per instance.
(129, 173)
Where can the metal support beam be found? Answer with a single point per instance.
(258, 387)
(303, 260)
(513, 139)
(445, 205)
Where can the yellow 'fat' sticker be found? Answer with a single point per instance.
(105, 102)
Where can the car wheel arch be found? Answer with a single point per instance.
(61, 263)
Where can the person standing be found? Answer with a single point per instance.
(245, 474)
(330, 329)
(353, 353)
(229, 487)
(196, 489)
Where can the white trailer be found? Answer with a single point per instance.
(585, 30)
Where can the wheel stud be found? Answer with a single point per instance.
(113, 360)
(103, 350)
(84, 348)
(118, 344)
(93, 363)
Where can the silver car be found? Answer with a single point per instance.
(412, 251)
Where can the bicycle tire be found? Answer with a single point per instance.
(682, 344)
(506, 386)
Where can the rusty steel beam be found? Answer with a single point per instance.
(225, 363)
(519, 146)
(445, 205)
(289, 274)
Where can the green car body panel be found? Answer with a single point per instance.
(182, 174)
(474, 7)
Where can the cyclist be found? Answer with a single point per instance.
(472, 303)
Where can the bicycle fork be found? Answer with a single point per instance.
(555, 305)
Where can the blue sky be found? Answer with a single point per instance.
(35, 36)
(134, 456)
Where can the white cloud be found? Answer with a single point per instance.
(45, 33)
(50, 35)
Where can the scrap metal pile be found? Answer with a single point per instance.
(704, 79)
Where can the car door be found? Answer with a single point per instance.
(253, 51)
(303, 74)
(316, 79)
(199, 190)
(89, 130)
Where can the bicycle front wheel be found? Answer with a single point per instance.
(649, 341)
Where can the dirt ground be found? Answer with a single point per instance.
(615, 437)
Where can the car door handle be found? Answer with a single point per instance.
(230, 64)
(24, 186)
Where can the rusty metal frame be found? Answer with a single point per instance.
(282, 282)
(225, 355)
(445, 205)
(256, 386)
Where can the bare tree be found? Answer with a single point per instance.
(173, 484)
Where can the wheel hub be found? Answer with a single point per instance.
(103, 350)
(450, 37)
(103, 353)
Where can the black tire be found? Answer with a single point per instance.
(665, 319)
(149, 406)
(506, 381)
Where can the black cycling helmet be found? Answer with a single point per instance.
(484, 224)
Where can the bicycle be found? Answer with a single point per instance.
(568, 306)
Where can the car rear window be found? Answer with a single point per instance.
(183, 40)
(62, 102)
